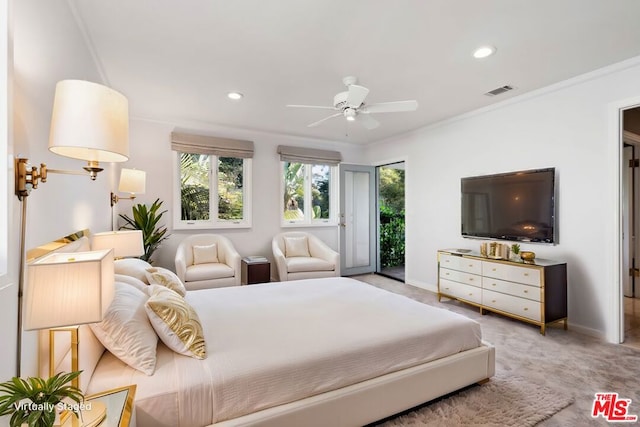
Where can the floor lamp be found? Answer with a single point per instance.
(65, 290)
(89, 122)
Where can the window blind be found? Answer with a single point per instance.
(212, 145)
(309, 155)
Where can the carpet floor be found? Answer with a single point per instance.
(570, 365)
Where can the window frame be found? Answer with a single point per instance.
(308, 221)
(213, 222)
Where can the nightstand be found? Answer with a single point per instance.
(119, 405)
(255, 269)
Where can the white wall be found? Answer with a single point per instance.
(48, 47)
(151, 151)
(563, 127)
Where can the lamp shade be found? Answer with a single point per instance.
(132, 181)
(65, 289)
(124, 243)
(89, 122)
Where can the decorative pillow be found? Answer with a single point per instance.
(296, 246)
(125, 330)
(167, 278)
(130, 280)
(205, 254)
(133, 267)
(176, 322)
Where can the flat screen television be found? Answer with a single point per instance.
(517, 206)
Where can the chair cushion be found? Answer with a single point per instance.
(302, 264)
(296, 247)
(208, 271)
(205, 254)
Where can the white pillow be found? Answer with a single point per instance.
(125, 330)
(130, 280)
(296, 246)
(205, 254)
(167, 278)
(176, 322)
(133, 267)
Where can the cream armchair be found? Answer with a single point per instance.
(207, 261)
(300, 255)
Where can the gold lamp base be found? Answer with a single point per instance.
(90, 416)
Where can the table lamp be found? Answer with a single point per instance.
(125, 243)
(65, 290)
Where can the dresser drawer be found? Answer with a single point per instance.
(512, 273)
(460, 290)
(510, 304)
(511, 288)
(467, 265)
(460, 276)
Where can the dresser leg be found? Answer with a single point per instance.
(565, 324)
(543, 329)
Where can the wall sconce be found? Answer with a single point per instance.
(89, 122)
(132, 181)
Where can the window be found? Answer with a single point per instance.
(309, 196)
(213, 183)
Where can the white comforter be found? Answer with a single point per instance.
(279, 342)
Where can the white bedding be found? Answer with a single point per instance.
(279, 342)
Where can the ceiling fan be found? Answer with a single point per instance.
(351, 105)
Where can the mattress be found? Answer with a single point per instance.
(275, 343)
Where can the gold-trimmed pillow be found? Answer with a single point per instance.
(176, 322)
(167, 278)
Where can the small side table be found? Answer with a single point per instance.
(119, 405)
(255, 269)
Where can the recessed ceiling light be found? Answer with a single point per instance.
(235, 95)
(484, 51)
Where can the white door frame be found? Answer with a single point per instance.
(615, 317)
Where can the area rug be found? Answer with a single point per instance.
(504, 401)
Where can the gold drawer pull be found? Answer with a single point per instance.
(526, 274)
(470, 294)
(526, 309)
(493, 301)
(526, 292)
(471, 279)
(493, 269)
(446, 260)
(470, 265)
(493, 284)
(446, 274)
(446, 289)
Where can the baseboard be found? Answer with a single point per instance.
(587, 331)
(423, 285)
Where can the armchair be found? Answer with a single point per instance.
(207, 261)
(300, 255)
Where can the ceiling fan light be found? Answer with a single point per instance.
(350, 114)
(351, 118)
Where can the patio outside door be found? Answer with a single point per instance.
(357, 219)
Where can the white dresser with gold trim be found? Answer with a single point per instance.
(535, 293)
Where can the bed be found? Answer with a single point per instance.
(314, 352)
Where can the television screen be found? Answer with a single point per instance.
(510, 206)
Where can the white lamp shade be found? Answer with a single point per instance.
(65, 289)
(89, 122)
(132, 181)
(124, 243)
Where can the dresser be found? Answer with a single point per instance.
(534, 293)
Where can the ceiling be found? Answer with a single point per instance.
(177, 59)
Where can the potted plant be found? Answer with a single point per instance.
(36, 402)
(515, 250)
(146, 220)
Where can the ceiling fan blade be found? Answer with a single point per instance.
(311, 106)
(356, 95)
(368, 121)
(314, 124)
(390, 107)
